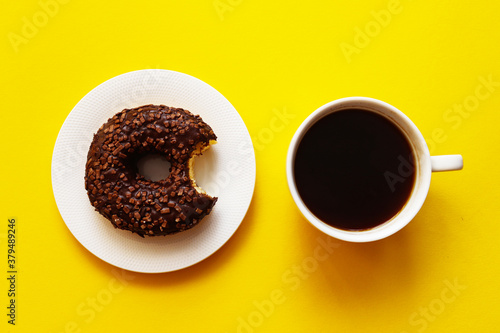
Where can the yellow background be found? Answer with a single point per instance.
(265, 57)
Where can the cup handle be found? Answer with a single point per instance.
(447, 163)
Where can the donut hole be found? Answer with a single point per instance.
(153, 167)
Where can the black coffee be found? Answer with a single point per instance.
(354, 169)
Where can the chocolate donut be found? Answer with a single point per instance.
(126, 198)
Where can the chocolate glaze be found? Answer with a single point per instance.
(126, 198)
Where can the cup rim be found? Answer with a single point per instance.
(422, 168)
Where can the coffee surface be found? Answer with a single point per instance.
(354, 169)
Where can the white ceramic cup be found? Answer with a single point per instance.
(424, 166)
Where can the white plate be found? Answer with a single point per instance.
(226, 170)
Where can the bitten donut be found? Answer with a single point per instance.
(126, 198)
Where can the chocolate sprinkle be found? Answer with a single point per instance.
(131, 202)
